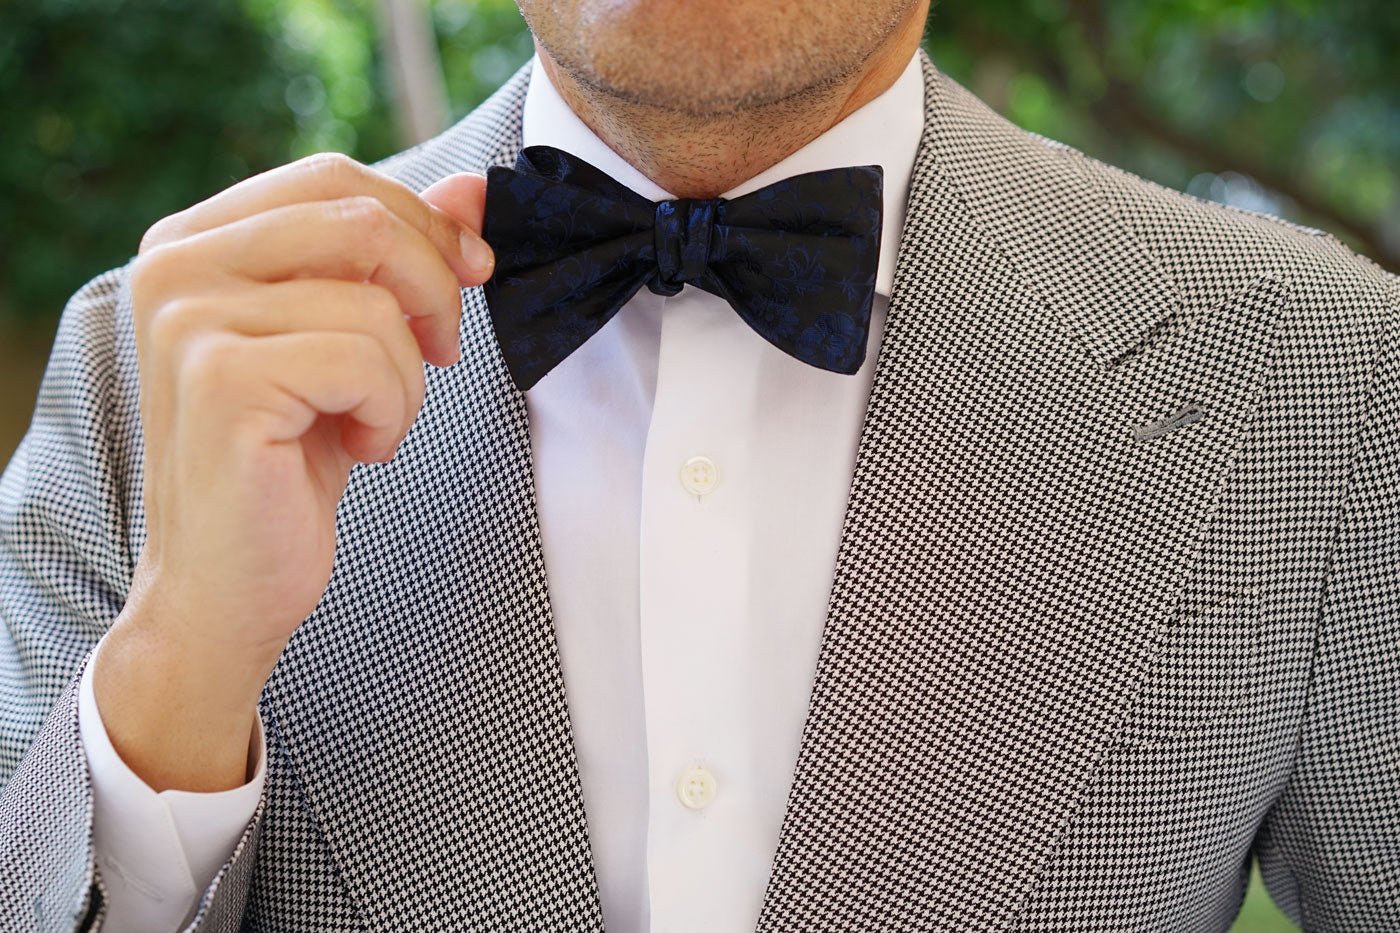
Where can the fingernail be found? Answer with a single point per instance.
(478, 255)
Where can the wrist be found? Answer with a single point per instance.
(179, 712)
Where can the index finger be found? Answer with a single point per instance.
(330, 176)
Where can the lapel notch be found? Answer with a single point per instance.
(1055, 226)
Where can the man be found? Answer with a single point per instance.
(1073, 596)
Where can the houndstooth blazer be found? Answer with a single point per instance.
(1115, 611)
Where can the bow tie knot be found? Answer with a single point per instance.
(683, 233)
(796, 259)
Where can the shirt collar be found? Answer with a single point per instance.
(884, 132)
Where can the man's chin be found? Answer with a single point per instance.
(718, 80)
(715, 58)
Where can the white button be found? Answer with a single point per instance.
(696, 788)
(699, 476)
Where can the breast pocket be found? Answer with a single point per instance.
(1203, 667)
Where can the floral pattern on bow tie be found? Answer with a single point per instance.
(795, 259)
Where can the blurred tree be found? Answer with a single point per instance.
(1289, 107)
(115, 114)
(409, 48)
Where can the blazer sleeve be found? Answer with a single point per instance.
(1329, 849)
(66, 556)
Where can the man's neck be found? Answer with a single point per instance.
(702, 157)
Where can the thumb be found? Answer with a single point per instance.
(461, 197)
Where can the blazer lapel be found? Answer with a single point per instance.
(1048, 426)
(422, 704)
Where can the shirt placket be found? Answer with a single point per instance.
(694, 606)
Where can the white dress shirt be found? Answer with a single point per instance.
(692, 483)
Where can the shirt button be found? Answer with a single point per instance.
(699, 476)
(696, 788)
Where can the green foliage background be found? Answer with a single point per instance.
(117, 112)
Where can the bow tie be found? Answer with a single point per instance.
(795, 259)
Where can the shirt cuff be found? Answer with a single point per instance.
(157, 852)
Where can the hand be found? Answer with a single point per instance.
(281, 330)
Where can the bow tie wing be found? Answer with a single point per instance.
(572, 246)
(797, 260)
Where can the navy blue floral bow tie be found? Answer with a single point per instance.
(796, 259)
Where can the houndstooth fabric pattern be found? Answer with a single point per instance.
(1079, 660)
(1114, 613)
